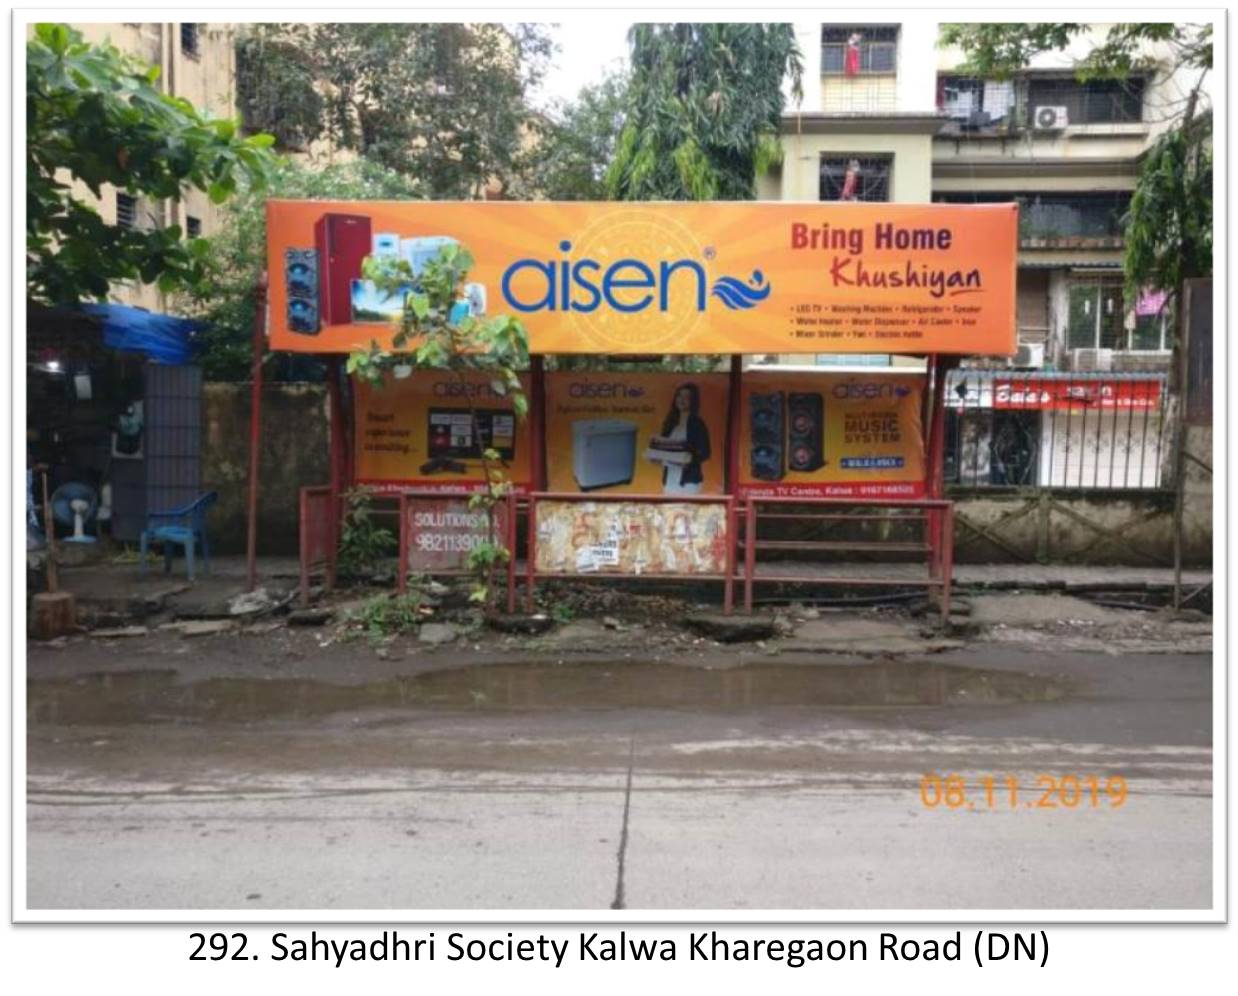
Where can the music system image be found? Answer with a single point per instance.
(325, 285)
(767, 452)
(301, 285)
(603, 452)
(805, 431)
(450, 439)
(788, 434)
(343, 242)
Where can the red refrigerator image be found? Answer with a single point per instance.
(343, 241)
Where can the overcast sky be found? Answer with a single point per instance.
(587, 49)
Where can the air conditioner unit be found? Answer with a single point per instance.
(1030, 354)
(1091, 359)
(1050, 118)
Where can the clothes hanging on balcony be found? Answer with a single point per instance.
(851, 62)
(851, 181)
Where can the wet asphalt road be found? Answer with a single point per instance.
(781, 784)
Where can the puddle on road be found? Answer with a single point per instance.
(154, 696)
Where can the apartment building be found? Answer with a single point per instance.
(196, 62)
(884, 95)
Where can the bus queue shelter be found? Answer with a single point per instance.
(639, 473)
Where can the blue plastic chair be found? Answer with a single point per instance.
(186, 528)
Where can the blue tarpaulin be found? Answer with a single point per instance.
(163, 338)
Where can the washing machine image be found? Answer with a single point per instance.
(603, 452)
(417, 252)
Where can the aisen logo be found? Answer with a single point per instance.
(627, 285)
(863, 389)
(616, 389)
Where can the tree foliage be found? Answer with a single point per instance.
(238, 251)
(96, 116)
(1168, 229)
(703, 110)
(574, 143)
(430, 335)
(446, 103)
(1168, 235)
(1000, 50)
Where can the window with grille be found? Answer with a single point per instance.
(1098, 318)
(189, 40)
(878, 47)
(126, 210)
(193, 226)
(869, 178)
(967, 98)
(1095, 102)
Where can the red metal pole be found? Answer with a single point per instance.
(255, 432)
(335, 414)
(537, 422)
(531, 555)
(735, 401)
(750, 551)
(947, 565)
(728, 593)
(303, 540)
(511, 552)
(401, 568)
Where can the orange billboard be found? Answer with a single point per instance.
(636, 433)
(831, 435)
(427, 431)
(640, 278)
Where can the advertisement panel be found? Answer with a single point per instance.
(636, 433)
(824, 435)
(418, 432)
(613, 278)
(621, 537)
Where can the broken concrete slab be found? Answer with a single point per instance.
(256, 602)
(1041, 609)
(118, 632)
(437, 633)
(310, 617)
(841, 634)
(731, 629)
(530, 625)
(199, 627)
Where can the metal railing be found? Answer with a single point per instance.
(933, 516)
(1038, 429)
(319, 529)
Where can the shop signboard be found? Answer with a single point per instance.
(636, 433)
(1064, 394)
(642, 278)
(427, 432)
(831, 435)
(631, 537)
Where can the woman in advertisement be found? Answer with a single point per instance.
(683, 444)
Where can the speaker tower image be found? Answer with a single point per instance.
(301, 290)
(805, 431)
(343, 242)
(767, 454)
